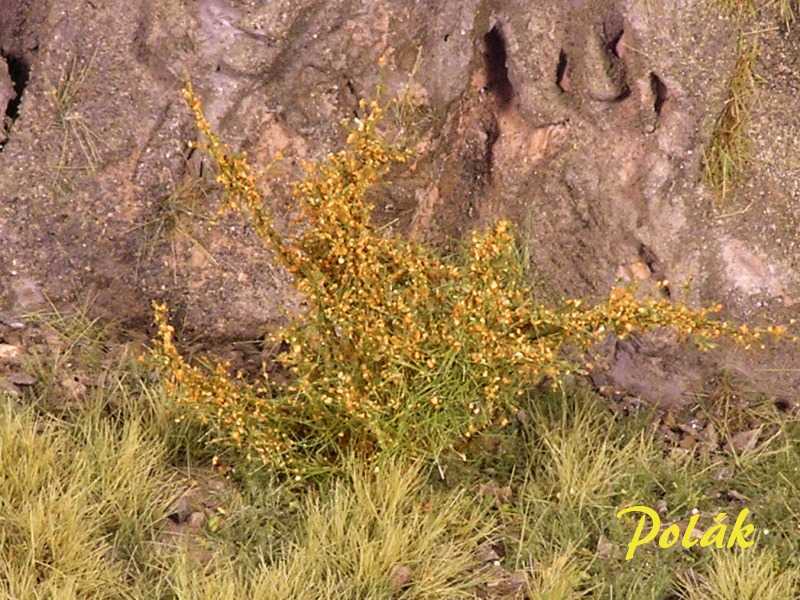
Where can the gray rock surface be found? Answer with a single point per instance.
(584, 121)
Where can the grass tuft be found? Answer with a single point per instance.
(85, 494)
(174, 218)
(739, 8)
(560, 578)
(353, 542)
(728, 151)
(78, 501)
(742, 576)
(788, 9)
(78, 139)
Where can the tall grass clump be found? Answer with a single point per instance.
(372, 535)
(729, 149)
(745, 575)
(80, 502)
(401, 349)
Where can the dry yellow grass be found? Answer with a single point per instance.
(728, 151)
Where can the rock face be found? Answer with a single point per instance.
(7, 95)
(584, 121)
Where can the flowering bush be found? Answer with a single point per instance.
(401, 349)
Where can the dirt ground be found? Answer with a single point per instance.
(584, 121)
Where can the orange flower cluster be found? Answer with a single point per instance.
(239, 414)
(401, 348)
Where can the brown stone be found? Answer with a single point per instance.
(400, 577)
(585, 126)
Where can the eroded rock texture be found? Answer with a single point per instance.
(584, 121)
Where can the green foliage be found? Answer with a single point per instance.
(84, 497)
(401, 350)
